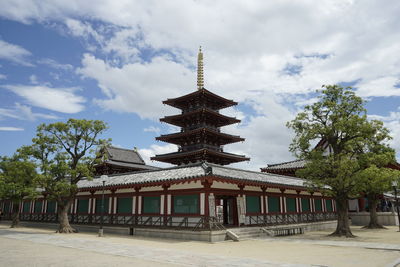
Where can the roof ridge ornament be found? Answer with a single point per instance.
(200, 74)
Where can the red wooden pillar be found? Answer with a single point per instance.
(207, 188)
(165, 188)
(361, 204)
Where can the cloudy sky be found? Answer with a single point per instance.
(117, 60)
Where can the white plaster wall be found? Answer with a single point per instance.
(274, 190)
(133, 204)
(162, 204)
(151, 188)
(169, 204)
(384, 218)
(196, 184)
(202, 203)
(125, 190)
(101, 192)
(83, 194)
(221, 185)
(253, 188)
(290, 191)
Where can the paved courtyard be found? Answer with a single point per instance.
(38, 247)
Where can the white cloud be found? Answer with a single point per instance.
(33, 79)
(14, 53)
(137, 87)
(152, 129)
(54, 64)
(62, 100)
(3, 77)
(392, 122)
(247, 45)
(23, 112)
(153, 150)
(10, 129)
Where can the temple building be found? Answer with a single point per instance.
(120, 160)
(200, 194)
(358, 207)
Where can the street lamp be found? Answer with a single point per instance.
(395, 184)
(103, 179)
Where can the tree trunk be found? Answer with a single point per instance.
(373, 217)
(15, 215)
(343, 227)
(62, 211)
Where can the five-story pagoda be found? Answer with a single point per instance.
(200, 138)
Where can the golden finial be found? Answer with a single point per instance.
(200, 77)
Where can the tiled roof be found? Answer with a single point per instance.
(295, 164)
(131, 165)
(192, 171)
(124, 155)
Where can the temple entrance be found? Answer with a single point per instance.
(226, 210)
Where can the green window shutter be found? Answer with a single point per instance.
(274, 204)
(106, 205)
(186, 204)
(253, 204)
(51, 207)
(318, 205)
(151, 204)
(290, 204)
(329, 205)
(124, 205)
(83, 206)
(305, 204)
(38, 206)
(26, 207)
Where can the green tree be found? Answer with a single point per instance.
(65, 153)
(354, 144)
(18, 180)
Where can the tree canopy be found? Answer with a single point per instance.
(355, 148)
(18, 180)
(65, 154)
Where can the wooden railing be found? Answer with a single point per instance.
(178, 222)
(278, 219)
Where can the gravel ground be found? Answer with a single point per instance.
(39, 247)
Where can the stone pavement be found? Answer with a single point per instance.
(369, 245)
(146, 253)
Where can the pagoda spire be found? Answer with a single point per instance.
(200, 77)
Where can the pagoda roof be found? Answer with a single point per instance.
(219, 119)
(179, 174)
(180, 102)
(200, 154)
(176, 138)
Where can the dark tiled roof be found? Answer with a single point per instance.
(130, 165)
(124, 155)
(295, 164)
(192, 171)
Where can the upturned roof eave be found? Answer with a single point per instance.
(225, 102)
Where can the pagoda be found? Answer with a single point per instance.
(200, 138)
